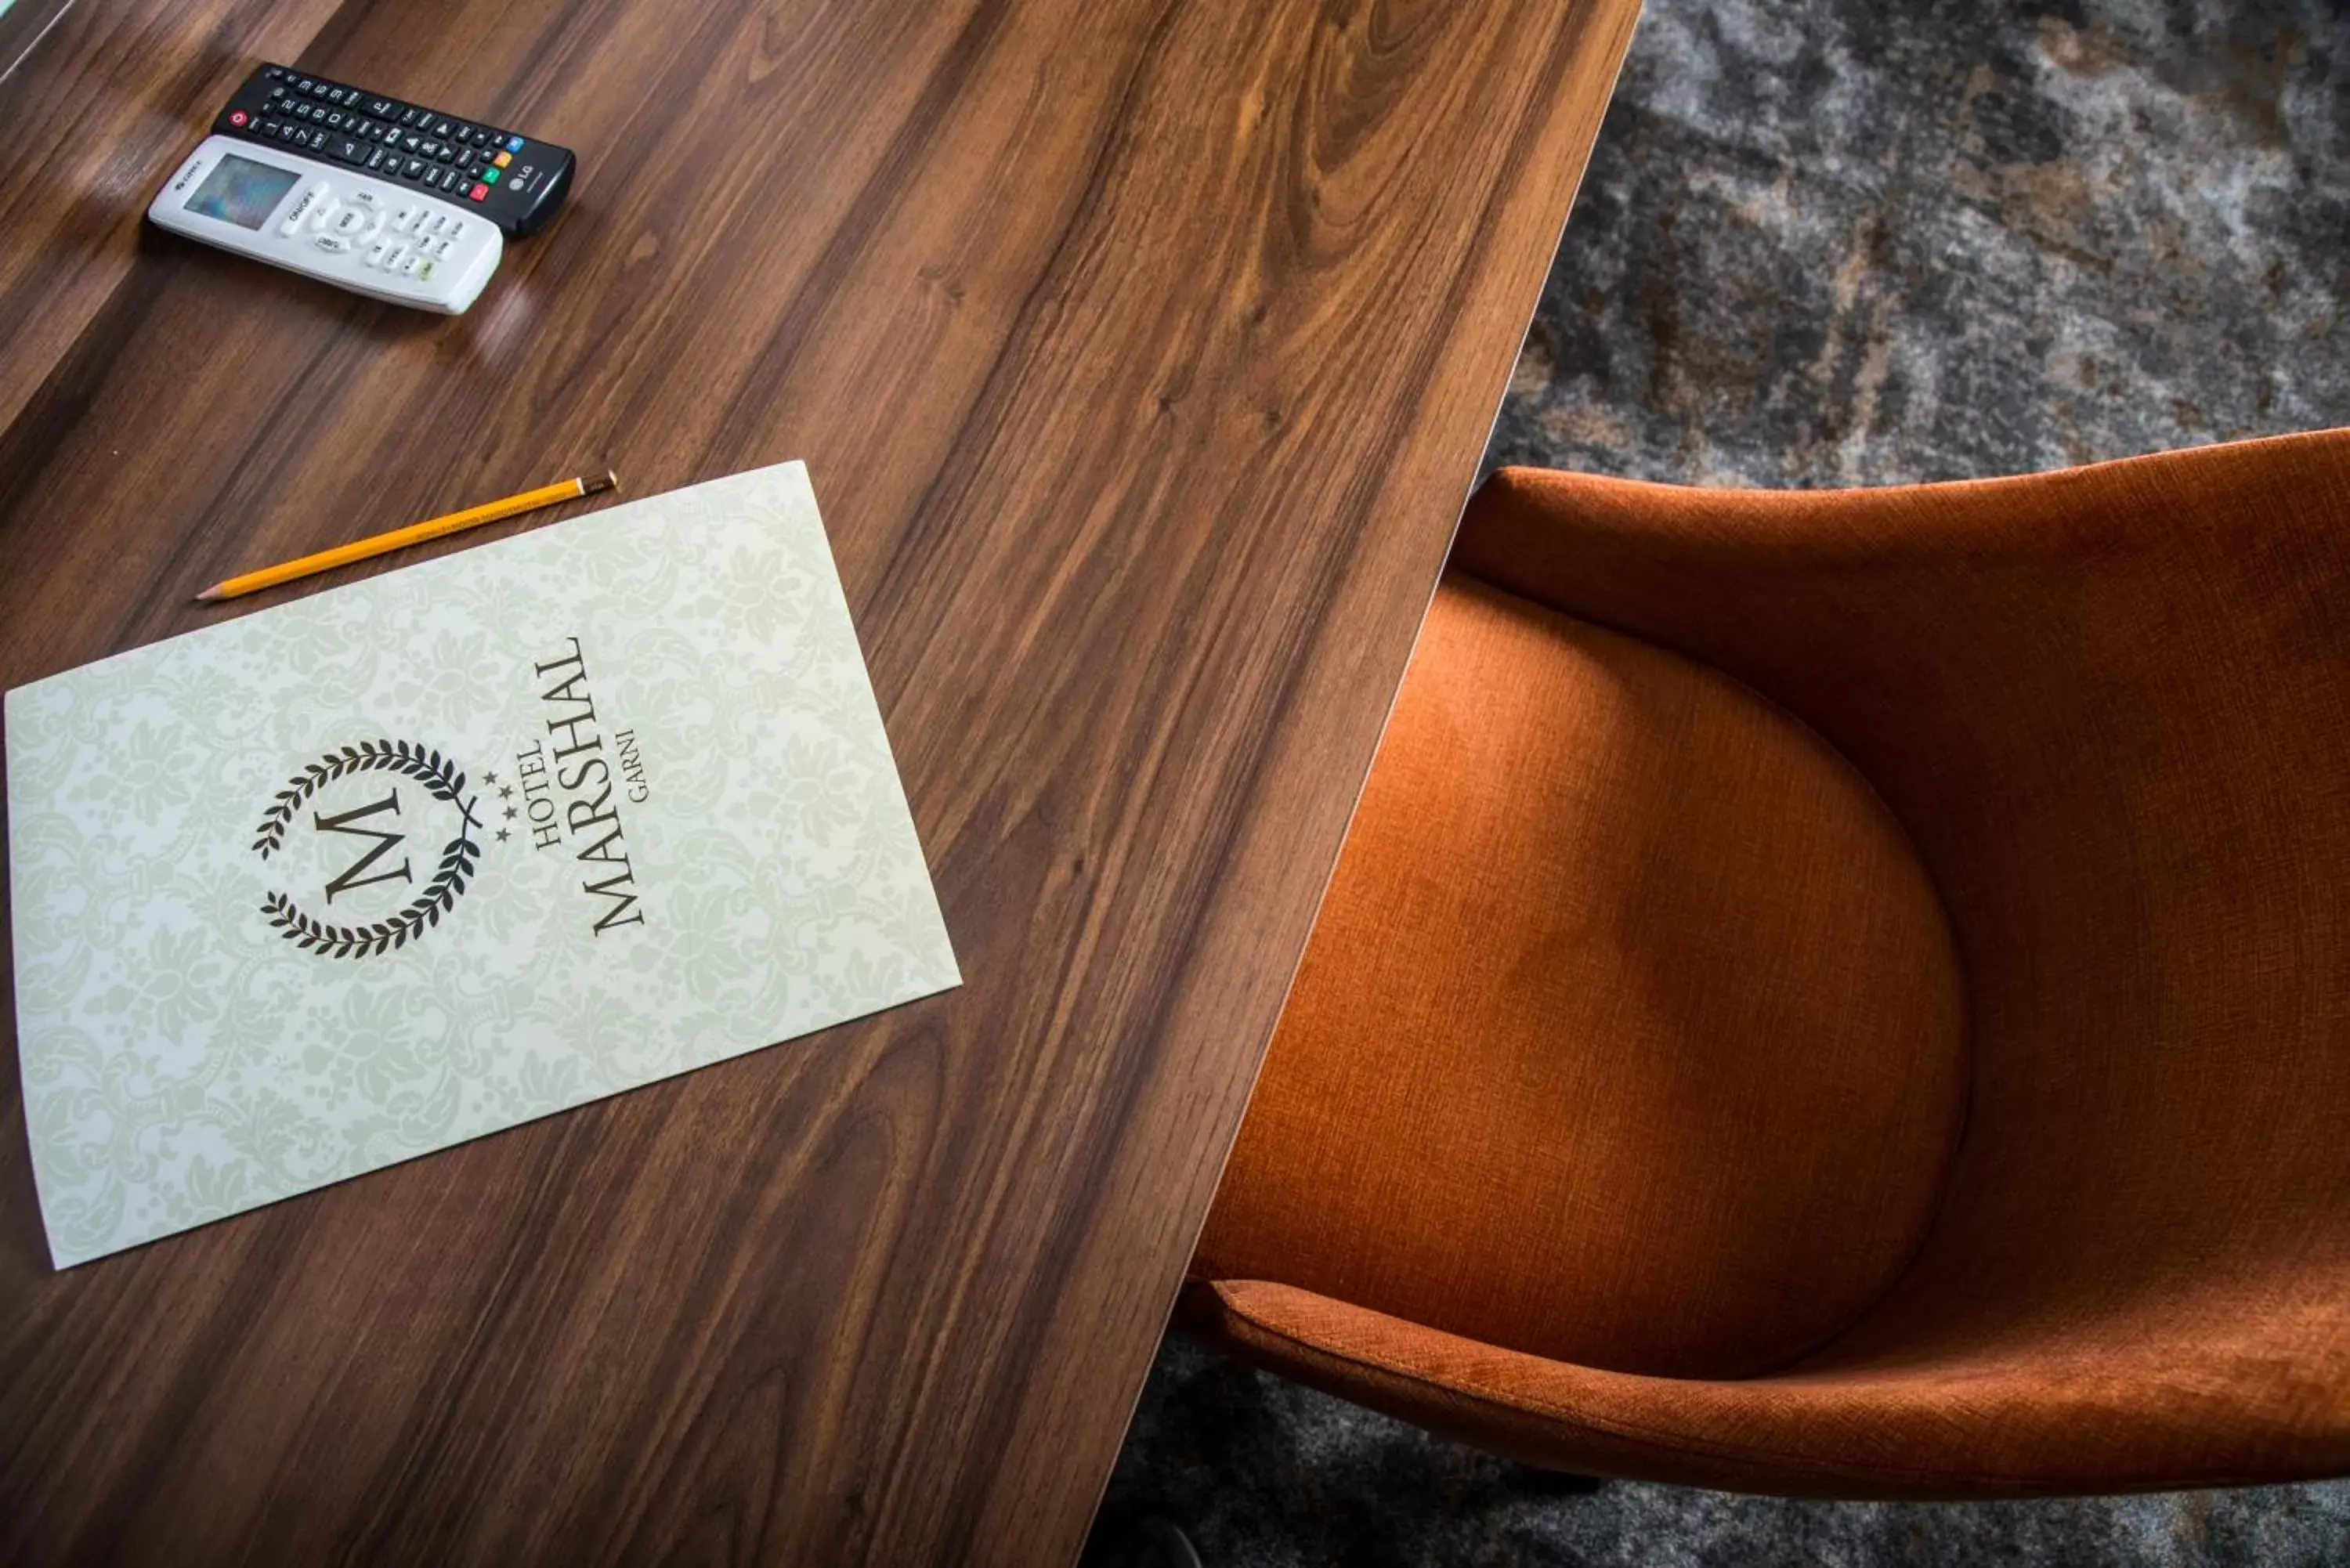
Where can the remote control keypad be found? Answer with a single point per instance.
(459, 159)
(410, 240)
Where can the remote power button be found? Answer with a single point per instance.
(305, 205)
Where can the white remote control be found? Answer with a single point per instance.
(336, 225)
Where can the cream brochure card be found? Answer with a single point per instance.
(356, 878)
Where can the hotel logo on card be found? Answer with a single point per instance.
(374, 843)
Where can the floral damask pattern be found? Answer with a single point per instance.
(182, 1062)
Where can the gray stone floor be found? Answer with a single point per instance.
(1862, 242)
(1843, 242)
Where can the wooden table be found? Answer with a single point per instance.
(1142, 353)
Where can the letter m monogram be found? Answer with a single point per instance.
(355, 874)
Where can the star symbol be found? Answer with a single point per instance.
(488, 777)
(502, 835)
(510, 814)
(505, 792)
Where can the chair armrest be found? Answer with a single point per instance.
(2017, 1426)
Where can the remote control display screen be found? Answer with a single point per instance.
(239, 191)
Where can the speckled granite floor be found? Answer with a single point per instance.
(1838, 241)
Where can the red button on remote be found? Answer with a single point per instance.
(479, 192)
(237, 117)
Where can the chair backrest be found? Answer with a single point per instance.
(2112, 708)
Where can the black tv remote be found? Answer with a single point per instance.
(516, 180)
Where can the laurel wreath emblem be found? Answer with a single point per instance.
(459, 859)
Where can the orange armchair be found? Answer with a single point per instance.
(1842, 994)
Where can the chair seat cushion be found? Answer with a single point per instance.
(1630, 1033)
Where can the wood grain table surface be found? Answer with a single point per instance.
(1143, 352)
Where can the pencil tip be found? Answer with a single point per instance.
(208, 596)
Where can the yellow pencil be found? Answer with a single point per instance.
(400, 538)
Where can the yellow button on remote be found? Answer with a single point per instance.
(502, 159)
